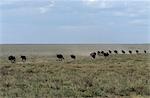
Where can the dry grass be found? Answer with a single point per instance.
(118, 76)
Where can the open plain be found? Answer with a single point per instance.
(43, 76)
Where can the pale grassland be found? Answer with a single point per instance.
(118, 76)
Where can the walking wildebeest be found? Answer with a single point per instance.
(23, 58)
(98, 53)
(123, 52)
(130, 51)
(145, 51)
(60, 57)
(137, 51)
(110, 51)
(106, 54)
(115, 51)
(12, 59)
(102, 52)
(93, 55)
(73, 56)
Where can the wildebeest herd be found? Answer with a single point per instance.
(60, 57)
(13, 58)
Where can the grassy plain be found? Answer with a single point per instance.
(118, 76)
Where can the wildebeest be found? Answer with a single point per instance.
(123, 52)
(145, 51)
(73, 56)
(93, 55)
(12, 59)
(137, 51)
(98, 53)
(106, 54)
(110, 51)
(23, 58)
(115, 51)
(130, 51)
(60, 57)
(102, 52)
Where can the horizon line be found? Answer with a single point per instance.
(67, 43)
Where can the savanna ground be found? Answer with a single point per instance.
(118, 76)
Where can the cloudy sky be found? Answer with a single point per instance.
(74, 21)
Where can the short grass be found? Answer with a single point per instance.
(117, 76)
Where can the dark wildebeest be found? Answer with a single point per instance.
(123, 52)
(98, 53)
(137, 51)
(110, 51)
(60, 57)
(12, 59)
(115, 51)
(106, 54)
(23, 58)
(145, 51)
(73, 56)
(130, 51)
(102, 52)
(93, 55)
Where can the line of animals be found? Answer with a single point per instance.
(93, 55)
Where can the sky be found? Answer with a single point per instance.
(74, 21)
